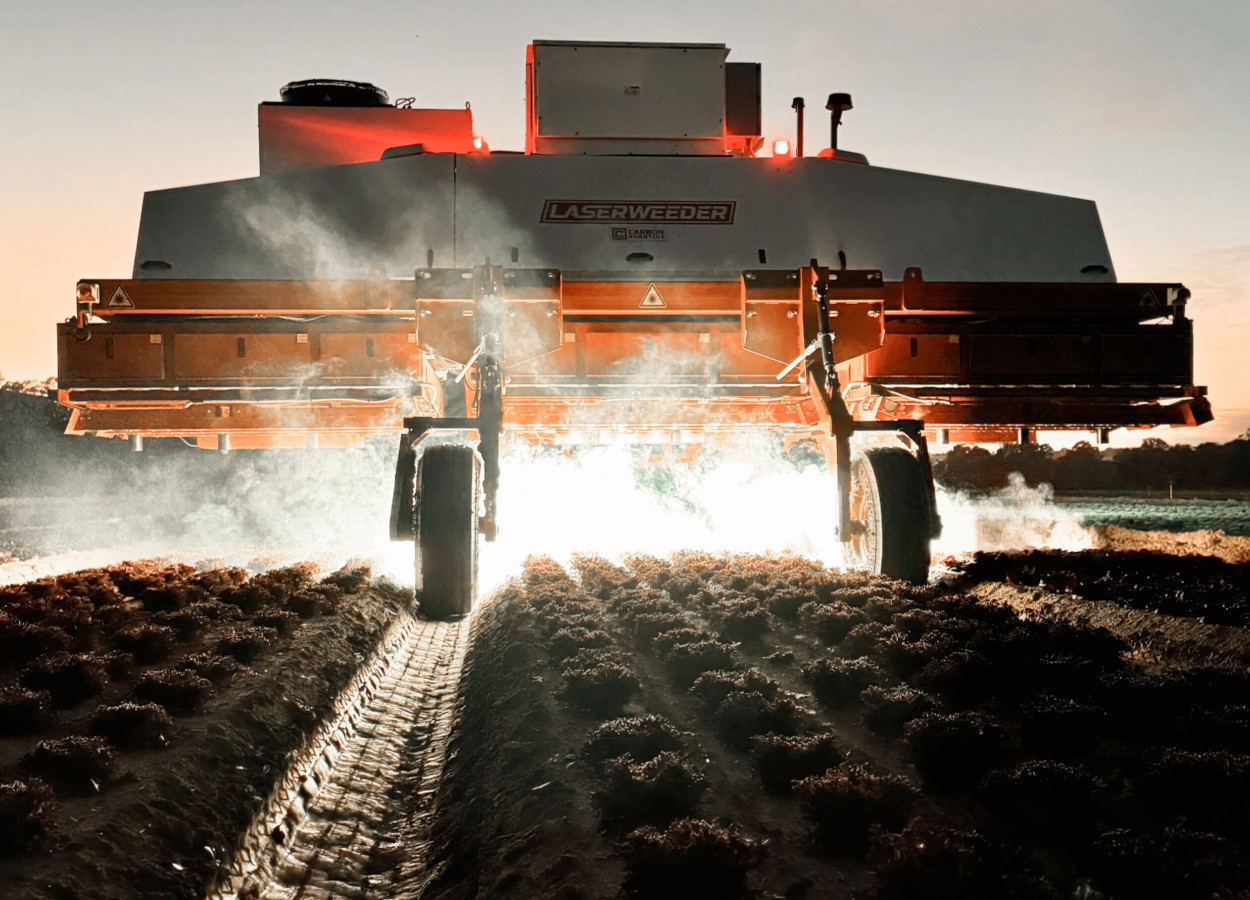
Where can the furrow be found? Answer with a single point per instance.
(329, 828)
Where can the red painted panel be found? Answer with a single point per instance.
(296, 137)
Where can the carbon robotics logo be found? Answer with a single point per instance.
(642, 212)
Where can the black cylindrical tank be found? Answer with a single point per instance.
(333, 92)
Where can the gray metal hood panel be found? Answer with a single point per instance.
(794, 210)
(346, 221)
(339, 222)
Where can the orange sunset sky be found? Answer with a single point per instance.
(1141, 105)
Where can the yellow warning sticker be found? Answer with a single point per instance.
(120, 300)
(652, 299)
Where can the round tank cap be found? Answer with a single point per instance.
(333, 92)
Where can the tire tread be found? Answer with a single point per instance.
(447, 531)
(901, 490)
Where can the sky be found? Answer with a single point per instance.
(1141, 105)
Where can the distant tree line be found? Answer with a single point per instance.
(1153, 466)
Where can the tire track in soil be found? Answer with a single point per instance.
(337, 822)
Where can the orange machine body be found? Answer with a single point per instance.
(289, 310)
(281, 364)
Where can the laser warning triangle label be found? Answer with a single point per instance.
(120, 300)
(652, 299)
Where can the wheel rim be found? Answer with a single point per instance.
(863, 551)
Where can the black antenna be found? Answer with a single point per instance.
(797, 105)
(837, 104)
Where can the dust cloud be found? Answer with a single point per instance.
(742, 497)
(1017, 517)
(616, 499)
(258, 508)
(332, 505)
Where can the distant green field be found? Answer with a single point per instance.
(1154, 513)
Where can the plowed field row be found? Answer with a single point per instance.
(701, 725)
(721, 726)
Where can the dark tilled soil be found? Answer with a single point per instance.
(703, 725)
(1158, 642)
(227, 672)
(1205, 588)
(819, 735)
(1232, 549)
(514, 811)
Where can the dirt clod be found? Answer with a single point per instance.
(953, 751)
(652, 793)
(180, 692)
(247, 643)
(27, 815)
(744, 714)
(640, 738)
(780, 760)
(846, 802)
(689, 858)
(131, 726)
(23, 711)
(72, 765)
(68, 678)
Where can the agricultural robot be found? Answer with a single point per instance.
(646, 267)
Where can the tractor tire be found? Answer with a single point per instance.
(447, 531)
(889, 515)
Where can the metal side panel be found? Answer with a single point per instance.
(623, 98)
(715, 215)
(339, 222)
(172, 354)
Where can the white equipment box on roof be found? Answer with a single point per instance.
(618, 98)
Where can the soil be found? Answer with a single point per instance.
(1202, 588)
(1191, 543)
(164, 820)
(1159, 640)
(979, 752)
(1040, 725)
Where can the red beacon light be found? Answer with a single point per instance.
(479, 145)
(781, 148)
